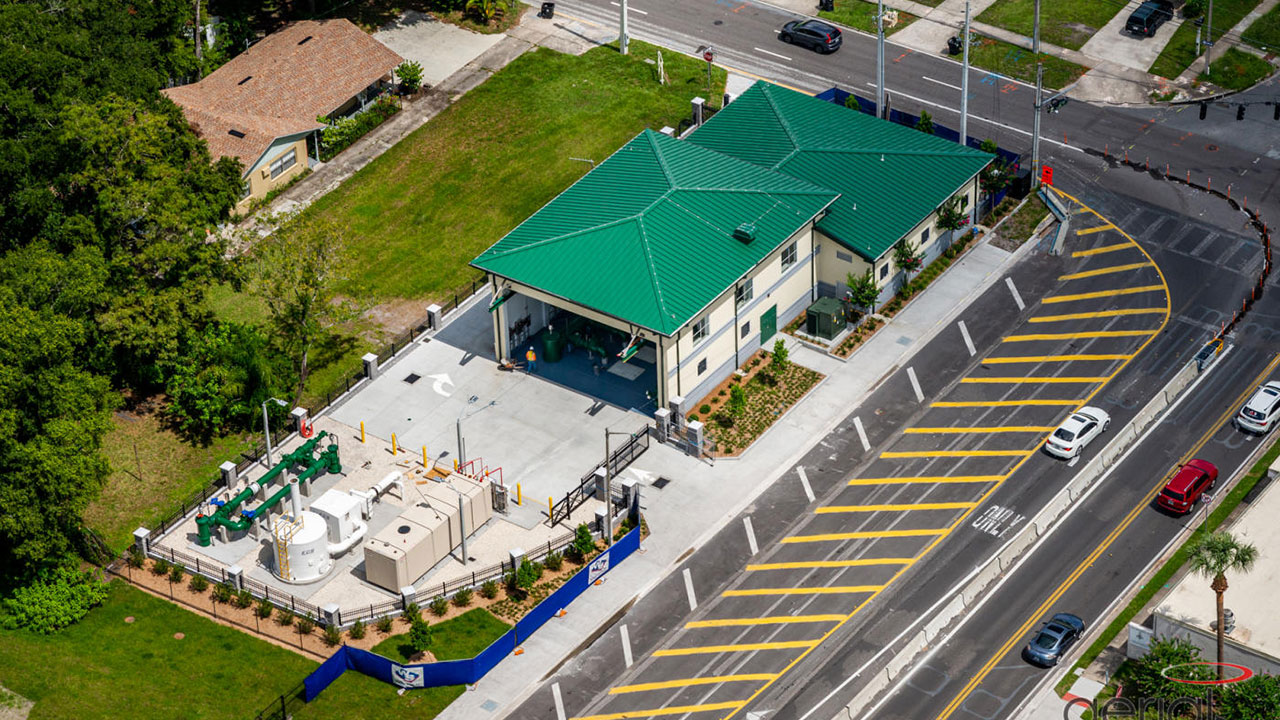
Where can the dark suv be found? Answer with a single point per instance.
(1149, 17)
(813, 34)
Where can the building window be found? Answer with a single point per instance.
(744, 293)
(924, 237)
(884, 271)
(746, 328)
(284, 162)
(846, 257)
(244, 191)
(702, 366)
(701, 329)
(964, 202)
(788, 256)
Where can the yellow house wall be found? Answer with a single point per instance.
(259, 186)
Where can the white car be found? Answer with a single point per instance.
(1077, 431)
(1260, 413)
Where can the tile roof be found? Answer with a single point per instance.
(648, 236)
(281, 84)
(890, 177)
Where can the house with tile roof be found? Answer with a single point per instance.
(261, 107)
(662, 270)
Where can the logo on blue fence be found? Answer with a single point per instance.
(406, 676)
(598, 567)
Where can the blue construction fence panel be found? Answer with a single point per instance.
(469, 671)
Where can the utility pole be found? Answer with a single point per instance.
(1208, 45)
(622, 27)
(880, 110)
(197, 32)
(1035, 131)
(608, 492)
(964, 83)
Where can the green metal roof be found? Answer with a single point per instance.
(647, 236)
(889, 177)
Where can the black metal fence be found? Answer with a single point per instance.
(618, 460)
(283, 707)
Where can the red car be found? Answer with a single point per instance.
(1186, 487)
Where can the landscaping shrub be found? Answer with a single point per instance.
(410, 74)
(693, 417)
(781, 357)
(176, 573)
(264, 609)
(462, 598)
(439, 605)
(56, 600)
(285, 617)
(332, 635)
(704, 409)
(553, 561)
(357, 630)
(420, 635)
(134, 558)
(383, 624)
(243, 599)
(223, 592)
(489, 590)
(160, 567)
(306, 624)
(199, 584)
(339, 136)
(583, 543)
(411, 611)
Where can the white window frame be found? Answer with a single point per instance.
(789, 256)
(743, 293)
(701, 329)
(282, 164)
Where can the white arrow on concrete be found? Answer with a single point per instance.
(440, 381)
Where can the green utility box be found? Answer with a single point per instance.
(552, 346)
(825, 318)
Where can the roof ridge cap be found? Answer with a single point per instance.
(660, 158)
(649, 266)
(782, 121)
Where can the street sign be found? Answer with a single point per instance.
(706, 55)
(1046, 175)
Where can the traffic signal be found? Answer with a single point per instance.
(1239, 113)
(1276, 114)
(1204, 109)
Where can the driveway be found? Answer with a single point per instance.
(442, 49)
(1114, 44)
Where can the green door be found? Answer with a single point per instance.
(768, 324)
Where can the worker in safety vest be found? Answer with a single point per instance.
(531, 360)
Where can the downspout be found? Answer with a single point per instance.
(662, 373)
(678, 389)
(737, 361)
(813, 264)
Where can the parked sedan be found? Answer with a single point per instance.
(1188, 486)
(813, 34)
(1077, 431)
(1054, 640)
(1259, 415)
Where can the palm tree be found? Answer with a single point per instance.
(1212, 557)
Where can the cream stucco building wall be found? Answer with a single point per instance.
(258, 181)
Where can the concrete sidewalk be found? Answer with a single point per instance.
(701, 498)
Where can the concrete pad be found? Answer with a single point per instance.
(1113, 44)
(1086, 688)
(441, 48)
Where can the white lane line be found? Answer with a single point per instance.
(1020, 131)
(968, 341)
(626, 645)
(688, 588)
(784, 57)
(751, 535)
(915, 384)
(555, 693)
(629, 8)
(943, 84)
(804, 481)
(1016, 297)
(862, 434)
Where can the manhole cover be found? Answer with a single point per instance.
(1211, 147)
(412, 378)
(403, 529)
(661, 482)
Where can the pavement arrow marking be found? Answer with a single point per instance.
(440, 381)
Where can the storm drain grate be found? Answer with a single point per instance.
(412, 378)
(661, 482)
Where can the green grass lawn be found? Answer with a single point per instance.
(461, 637)
(1237, 70)
(1015, 62)
(1265, 31)
(861, 15)
(1181, 50)
(1065, 23)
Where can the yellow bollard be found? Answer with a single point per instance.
(424, 457)
(395, 449)
(551, 506)
(455, 464)
(361, 432)
(518, 498)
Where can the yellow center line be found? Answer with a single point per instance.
(962, 453)
(1048, 379)
(1019, 634)
(1077, 335)
(1098, 314)
(1104, 271)
(865, 534)
(750, 622)
(672, 710)
(942, 480)
(1102, 294)
(830, 509)
(1103, 249)
(745, 647)
(996, 403)
(990, 491)
(1051, 358)
(692, 682)
(825, 590)
(1092, 230)
(810, 564)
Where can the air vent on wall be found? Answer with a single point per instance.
(746, 232)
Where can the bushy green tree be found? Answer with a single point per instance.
(925, 123)
(227, 375)
(1146, 677)
(1257, 697)
(863, 290)
(780, 358)
(410, 74)
(420, 635)
(55, 600)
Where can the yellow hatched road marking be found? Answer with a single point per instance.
(1078, 335)
(1098, 314)
(995, 403)
(832, 590)
(1092, 230)
(1104, 271)
(928, 479)
(691, 682)
(672, 710)
(963, 453)
(831, 509)
(1049, 358)
(975, 430)
(1103, 249)
(1102, 294)
(865, 534)
(1035, 380)
(808, 564)
(778, 620)
(745, 647)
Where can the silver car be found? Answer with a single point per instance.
(1054, 640)
(1077, 431)
(1260, 413)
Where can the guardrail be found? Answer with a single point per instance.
(633, 448)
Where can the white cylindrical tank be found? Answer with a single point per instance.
(303, 555)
